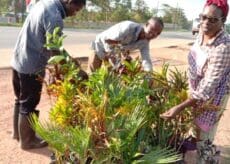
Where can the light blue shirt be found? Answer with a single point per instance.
(126, 33)
(30, 55)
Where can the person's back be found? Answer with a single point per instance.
(120, 31)
(129, 36)
(125, 32)
(30, 55)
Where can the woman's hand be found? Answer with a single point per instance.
(171, 113)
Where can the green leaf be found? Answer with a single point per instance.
(159, 155)
(56, 59)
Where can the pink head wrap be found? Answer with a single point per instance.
(222, 4)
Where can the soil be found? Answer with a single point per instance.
(11, 153)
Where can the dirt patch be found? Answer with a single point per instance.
(10, 151)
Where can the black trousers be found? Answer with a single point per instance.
(27, 89)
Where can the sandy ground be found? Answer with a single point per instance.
(174, 52)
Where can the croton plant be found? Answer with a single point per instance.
(112, 115)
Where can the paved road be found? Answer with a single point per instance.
(77, 36)
(78, 41)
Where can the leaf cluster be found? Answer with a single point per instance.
(113, 117)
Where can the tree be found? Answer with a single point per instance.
(111, 10)
(105, 7)
(120, 13)
(141, 11)
(176, 16)
(127, 4)
(5, 4)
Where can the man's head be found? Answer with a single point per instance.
(213, 17)
(73, 6)
(153, 28)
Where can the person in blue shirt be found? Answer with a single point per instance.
(29, 61)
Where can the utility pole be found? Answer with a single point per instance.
(176, 16)
(157, 8)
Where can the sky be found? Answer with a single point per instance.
(192, 8)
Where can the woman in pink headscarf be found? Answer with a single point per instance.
(209, 76)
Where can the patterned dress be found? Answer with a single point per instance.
(209, 75)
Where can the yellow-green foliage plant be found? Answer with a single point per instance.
(113, 116)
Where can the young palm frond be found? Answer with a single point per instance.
(159, 155)
(64, 141)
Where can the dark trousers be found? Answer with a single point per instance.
(27, 89)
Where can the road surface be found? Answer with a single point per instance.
(78, 41)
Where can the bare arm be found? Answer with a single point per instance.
(171, 113)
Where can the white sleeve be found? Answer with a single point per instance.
(146, 60)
